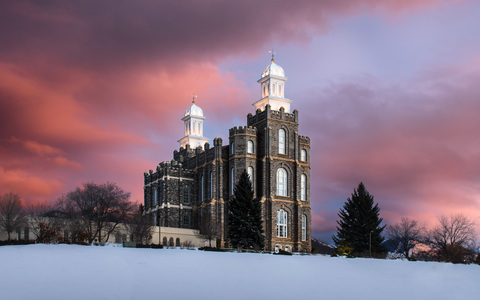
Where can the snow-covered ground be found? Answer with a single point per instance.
(86, 272)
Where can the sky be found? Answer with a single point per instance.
(387, 90)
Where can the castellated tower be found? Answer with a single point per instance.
(194, 188)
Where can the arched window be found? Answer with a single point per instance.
(201, 189)
(211, 184)
(177, 242)
(304, 228)
(281, 141)
(250, 147)
(232, 148)
(250, 174)
(303, 155)
(170, 242)
(232, 181)
(280, 92)
(164, 241)
(282, 219)
(274, 89)
(303, 187)
(282, 180)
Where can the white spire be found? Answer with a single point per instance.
(193, 123)
(272, 85)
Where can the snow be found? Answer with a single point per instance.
(88, 272)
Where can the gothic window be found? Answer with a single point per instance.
(211, 184)
(232, 181)
(281, 141)
(186, 195)
(303, 155)
(303, 187)
(282, 180)
(164, 241)
(201, 189)
(170, 242)
(250, 147)
(304, 228)
(155, 196)
(250, 174)
(177, 242)
(282, 223)
(232, 148)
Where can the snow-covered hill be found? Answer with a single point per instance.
(85, 272)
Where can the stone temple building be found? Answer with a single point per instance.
(194, 188)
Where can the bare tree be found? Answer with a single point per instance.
(96, 210)
(141, 226)
(208, 230)
(11, 213)
(44, 223)
(403, 236)
(453, 237)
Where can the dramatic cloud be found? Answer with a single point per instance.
(94, 91)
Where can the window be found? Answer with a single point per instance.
(232, 148)
(303, 155)
(303, 187)
(282, 223)
(304, 228)
(232, 181)
(250, 147)
(164, 241)
(154, 220)
(186, 221)
(170, 242)
(201, 189)
(186, 195)
(280, 93)
(274, 89)
(155, 196)
(211, 184)
(282, 182)
(177, 242)
(281, 141)
(250, 174)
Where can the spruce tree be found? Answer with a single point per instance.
(359, 225)
(245, 228)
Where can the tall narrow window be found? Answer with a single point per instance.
(232, 148)
(282, 180)
(280, 92)
(155, 196)
(154, 220)
(202, 191)
(303, 155)
(250, 174)
(303, 187)
(211, 184)
(274, 89)
(186, 195)
(282, 219)
(281, 141)
(232, 181)
(304, 228)
(250, 147)
(186, 220)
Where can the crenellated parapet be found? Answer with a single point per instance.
(268, 113)
(248, 130)
(304, 139)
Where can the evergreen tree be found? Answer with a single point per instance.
(359, 225)
(245, 228)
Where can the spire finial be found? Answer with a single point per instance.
(273, 54)
(193, 97)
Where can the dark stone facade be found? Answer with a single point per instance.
(196, 185)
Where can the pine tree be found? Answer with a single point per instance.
(245, 228)
(359, 225)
